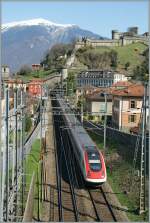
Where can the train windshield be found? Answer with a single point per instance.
(95, 166)
(94, 160)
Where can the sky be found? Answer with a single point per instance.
(97, 16)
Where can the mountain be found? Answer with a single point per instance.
(26, 42)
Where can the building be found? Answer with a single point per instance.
(35, 87)
(97, 78)
(83, 91)
(120, 77)
(118, 39)
(95, 104)
(5, 72)
(16, 83)
(64, 73)
(126, 106)
(121, 85)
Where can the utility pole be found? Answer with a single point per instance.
(61, 84)
(67, 87)
(22, 146)
(82, 112)
(1, 201)
(41, 110)
(142, 205)
(16, 147)
(7, 149)
(105, 121)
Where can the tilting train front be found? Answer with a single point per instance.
(90, 159)
(95, 166)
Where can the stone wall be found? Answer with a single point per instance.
(111, 43)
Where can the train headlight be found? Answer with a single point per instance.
(88, 174)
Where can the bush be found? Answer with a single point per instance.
(56, 57)
(127, 65)
(28, 123)
(24, 70)
(96, 60)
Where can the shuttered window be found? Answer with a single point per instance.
(132, 118)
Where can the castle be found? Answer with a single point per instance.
(118, 39)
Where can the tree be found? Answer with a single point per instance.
(97, 60)
(28, 123)
(114, 58)
(141, 71)
(56, 57)
(24, 70)
(127, 65)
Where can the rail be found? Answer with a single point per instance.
(28, 213)
(60, 210)
(70, 182)
(108, 205)
(94, 206)
(60, 144)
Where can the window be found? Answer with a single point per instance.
(132, 118)
(132, 104)
(95, 166)
(102, 107)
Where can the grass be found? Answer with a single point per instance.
(32, 166)
(119, 179)
(36, 74)
(131, 53)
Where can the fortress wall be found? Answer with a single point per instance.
(110, 43)
(127, 41)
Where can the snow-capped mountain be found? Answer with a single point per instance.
(26, 42)
(33, 22)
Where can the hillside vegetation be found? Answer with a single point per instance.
(131, 60)
(127, 58)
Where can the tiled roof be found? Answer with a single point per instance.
(136, 90)
(122, 84)
(96, 96)
(87, 87)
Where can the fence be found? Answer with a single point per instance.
(126, 143)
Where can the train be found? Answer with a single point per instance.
(88, 156)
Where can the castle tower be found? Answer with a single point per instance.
(115, 34)
(133, 30)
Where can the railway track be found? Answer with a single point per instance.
(74, 197)
(101, 205)
(66, 194)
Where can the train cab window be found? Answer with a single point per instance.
(94, 160)
(95, 166)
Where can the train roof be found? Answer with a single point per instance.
(76, 126)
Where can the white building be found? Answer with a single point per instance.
(120, 77)
(99, 78)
